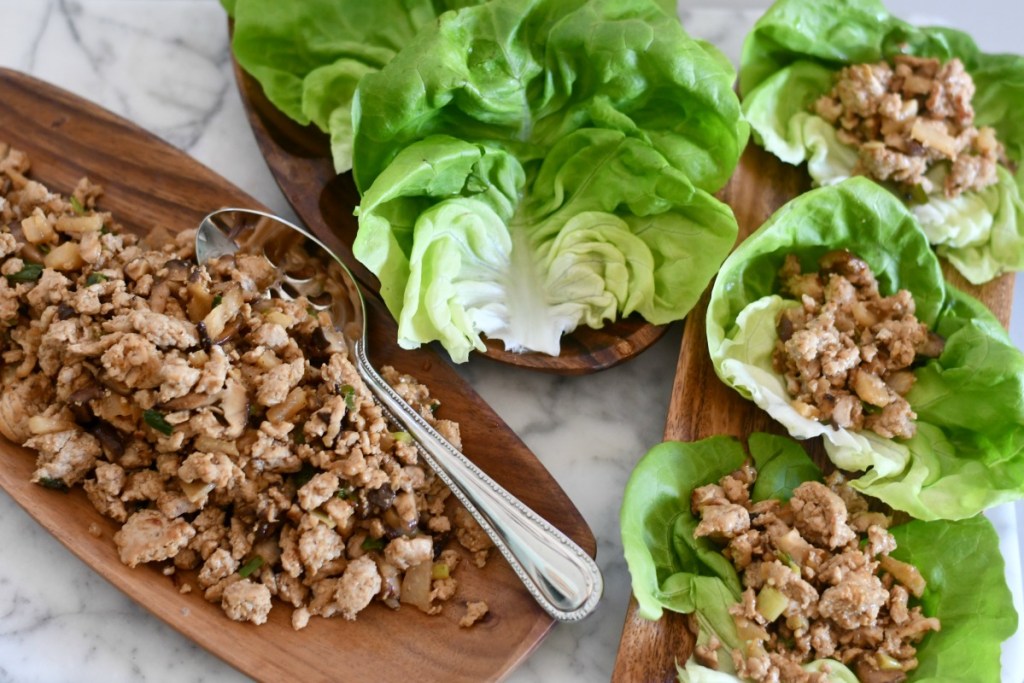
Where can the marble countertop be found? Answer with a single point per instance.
(165, 65)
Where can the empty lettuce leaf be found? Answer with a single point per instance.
(529, 166)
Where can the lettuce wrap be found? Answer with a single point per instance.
(528, 166)
(670, 569)
(968, 451)
(790, 59)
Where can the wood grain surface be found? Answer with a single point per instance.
(299, 159)
(702, 406)
(149, 184)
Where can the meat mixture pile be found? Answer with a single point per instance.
(907, 117)
(846, 352)
(226, 433)
(818, 582)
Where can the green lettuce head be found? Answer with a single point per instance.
(309, 56)
(670, 569)
(968, 452)
(528, 166)
(789, 60)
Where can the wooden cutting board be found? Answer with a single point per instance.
(702, 406)
(149, 183)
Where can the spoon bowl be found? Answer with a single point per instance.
(559, 575)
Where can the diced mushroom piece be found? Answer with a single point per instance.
(177, 270)
(287, 409)
(843, 262)
(200, 299)
(159, 296)
(191, 401)
(932, 347)
(906, 574)
(934, 134)
(204, 442)
(217, 319)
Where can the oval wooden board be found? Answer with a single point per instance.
(299, 159)
(702, 406)
(149, 183)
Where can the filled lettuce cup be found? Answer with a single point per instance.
(851, 90)
(795, 577)
(834, 318)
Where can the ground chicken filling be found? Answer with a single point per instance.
(818, 582)
(908, 117)
(846, 352)
(227, 433)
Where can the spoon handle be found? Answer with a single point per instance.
(561, 577)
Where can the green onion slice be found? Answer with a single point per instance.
(30, 272)
(157, 421)
(254, 563)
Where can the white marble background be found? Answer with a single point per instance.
(165, 65)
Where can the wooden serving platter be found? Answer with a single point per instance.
(299, 159)
(149, 183)
(702, 406)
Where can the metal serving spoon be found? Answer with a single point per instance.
(560, 576)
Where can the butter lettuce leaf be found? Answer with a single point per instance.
(670, 569)
(966, 590)
(309, 56)
(789, 60)
(655, 506)
(529, 166)
(968, 452)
